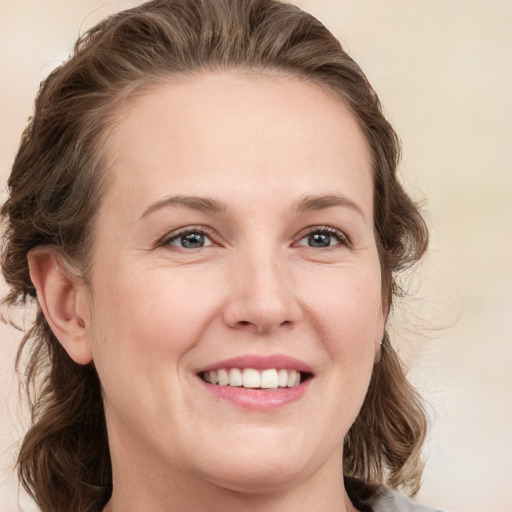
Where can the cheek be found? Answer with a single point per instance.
(149, 313)
(346, 312)
(144, 325)
(347, 305)
(346, 318)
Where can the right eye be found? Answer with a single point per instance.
(189, 239)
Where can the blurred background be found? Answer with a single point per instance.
(443, 70)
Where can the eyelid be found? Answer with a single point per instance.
(342, 237)
(211, 234)
(164, 241)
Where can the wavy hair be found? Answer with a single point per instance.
(58, 181)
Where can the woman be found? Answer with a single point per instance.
(206, 211)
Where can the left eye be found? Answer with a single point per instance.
(190, 240)
(322, 238)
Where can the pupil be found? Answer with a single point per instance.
(193, 240)
(319, 240)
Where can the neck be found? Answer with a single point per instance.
(136, 488)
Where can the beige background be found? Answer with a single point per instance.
(443, 69)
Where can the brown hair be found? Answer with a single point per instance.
(56, 186)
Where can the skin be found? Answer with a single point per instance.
(153, 311)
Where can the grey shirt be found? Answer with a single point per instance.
(386, 500)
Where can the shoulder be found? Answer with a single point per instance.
(387, 500)
(371, 498)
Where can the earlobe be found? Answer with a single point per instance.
(57, 293)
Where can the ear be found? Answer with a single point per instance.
(60, 295)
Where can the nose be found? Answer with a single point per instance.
(262, 296)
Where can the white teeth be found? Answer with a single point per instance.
(251, 378)
(223, 377)
(292, 378)
(282, 378)
(271, 378)
(235, 377)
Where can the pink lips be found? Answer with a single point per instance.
(258, 399)
(259, 363)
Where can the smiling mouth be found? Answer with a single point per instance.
(250, 378)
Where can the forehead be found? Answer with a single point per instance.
(245, 130)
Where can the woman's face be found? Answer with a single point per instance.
(235, 242)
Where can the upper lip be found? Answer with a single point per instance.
(259, 362)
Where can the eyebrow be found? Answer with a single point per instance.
(202, 204)
(210, 205)
(311, 203)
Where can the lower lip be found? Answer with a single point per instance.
(258, 399)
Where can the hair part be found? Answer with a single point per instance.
(60, 175)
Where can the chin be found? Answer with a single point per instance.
(260, 468)
(261, 478)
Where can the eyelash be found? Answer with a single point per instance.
(175, 235)
(202, 230)
(339, 235)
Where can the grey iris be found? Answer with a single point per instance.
(193, 240)
(319, 240)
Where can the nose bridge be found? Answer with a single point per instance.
(262, 293)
